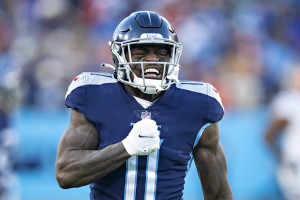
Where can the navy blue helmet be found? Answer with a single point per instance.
(142, 28)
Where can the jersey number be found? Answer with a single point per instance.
(151, 175)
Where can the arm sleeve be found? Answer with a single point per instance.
(215, 110)
(76, 94)
(77, 100)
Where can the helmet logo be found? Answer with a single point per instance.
(151, 35)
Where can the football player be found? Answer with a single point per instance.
(133, 134)
(282, 134)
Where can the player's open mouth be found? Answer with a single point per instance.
(152, 72)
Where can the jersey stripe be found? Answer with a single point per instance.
(151, 175)
(200, 133)
(201, 87)
(131, 178)
(191, 83)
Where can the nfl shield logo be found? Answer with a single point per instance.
(146, 115)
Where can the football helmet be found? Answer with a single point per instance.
(145, 28)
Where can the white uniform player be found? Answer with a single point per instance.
(285, 110)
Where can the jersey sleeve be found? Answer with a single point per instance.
(281, 106)
(76, 95)
(215, 110)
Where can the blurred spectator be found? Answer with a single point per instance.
(285, 118)
(8, 143)
(9, 96)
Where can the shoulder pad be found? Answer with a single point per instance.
(201, 87)
(193, 86)
(90, 78)
(213, 92)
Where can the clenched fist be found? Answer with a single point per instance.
(143, 139)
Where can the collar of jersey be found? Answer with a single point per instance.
(166, 97)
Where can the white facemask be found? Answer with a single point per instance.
(148, 90)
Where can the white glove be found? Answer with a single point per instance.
(143, 138)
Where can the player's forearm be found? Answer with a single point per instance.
(212, 170)
(216, 187)
(224, 192)
(81, 167)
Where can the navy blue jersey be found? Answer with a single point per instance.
(182, 113)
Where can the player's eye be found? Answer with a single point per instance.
(162, 52)
(138, 53)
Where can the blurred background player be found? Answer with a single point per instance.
(283, 134)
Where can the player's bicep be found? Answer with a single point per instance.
(210, 137)
(207, 149)
(211, 164)
(80, 135)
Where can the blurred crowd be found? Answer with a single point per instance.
(242, 47)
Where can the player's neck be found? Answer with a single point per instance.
(138, 93)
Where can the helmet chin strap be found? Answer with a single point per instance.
(155, 85)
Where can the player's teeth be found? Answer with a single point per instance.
(151, 70)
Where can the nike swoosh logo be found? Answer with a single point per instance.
(141, 136)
